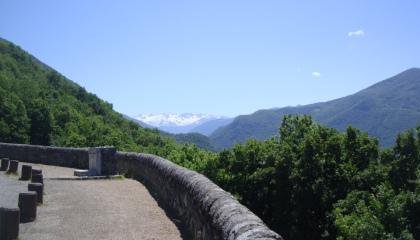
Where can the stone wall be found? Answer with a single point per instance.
(208, 211)
(58, 156)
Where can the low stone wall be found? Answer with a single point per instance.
(208, 211)
(58, 156)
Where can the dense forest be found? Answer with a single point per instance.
(309, 182)
(313, 182)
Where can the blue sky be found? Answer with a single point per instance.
(221, 57)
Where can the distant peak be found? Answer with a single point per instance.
(413, 69)
(175, 119)
(411, 72)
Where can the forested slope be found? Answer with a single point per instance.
(40, 106)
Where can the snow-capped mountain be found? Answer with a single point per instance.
(181, 123)
(173, 119)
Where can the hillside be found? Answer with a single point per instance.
(207, 128)
(40, 106)
(197, 139)
(383, 110)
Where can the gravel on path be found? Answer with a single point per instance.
(95, 209)
(10, 187)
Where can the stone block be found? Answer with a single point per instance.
(39, 189)
(27, 205)
(4, 164)
(13, 166)
(26, 172)
(101, 161)
(37, 178)
(36, 171)
(9, 223)
(81, 173)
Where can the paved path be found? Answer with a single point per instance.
(93, 209)
(10, 187)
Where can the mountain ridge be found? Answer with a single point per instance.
(183, 123)
(377, 103)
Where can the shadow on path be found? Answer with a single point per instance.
(182, 227)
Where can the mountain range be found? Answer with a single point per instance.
(183, 123)
(383, 110)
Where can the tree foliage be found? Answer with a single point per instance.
(313, 182)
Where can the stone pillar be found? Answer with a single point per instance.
(13, 166)
(39, 189)
(9, 223)
(37, 178)
(95, 161)
(26, 172)
(27, 205)
(36, 171)
(4, 164)
(101, 161)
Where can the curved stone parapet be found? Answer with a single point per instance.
(210, 212)
(207, 210)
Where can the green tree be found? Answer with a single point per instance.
(14, 123)
(41, 123)
(406, 161)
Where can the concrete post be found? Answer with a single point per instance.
(39, 189)
(36, 171)
(13, 166)
(9, 223)
(37, 178)
(4, 164)
(101, 161)
(26, 172)
(95, 162)
(27, 205)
